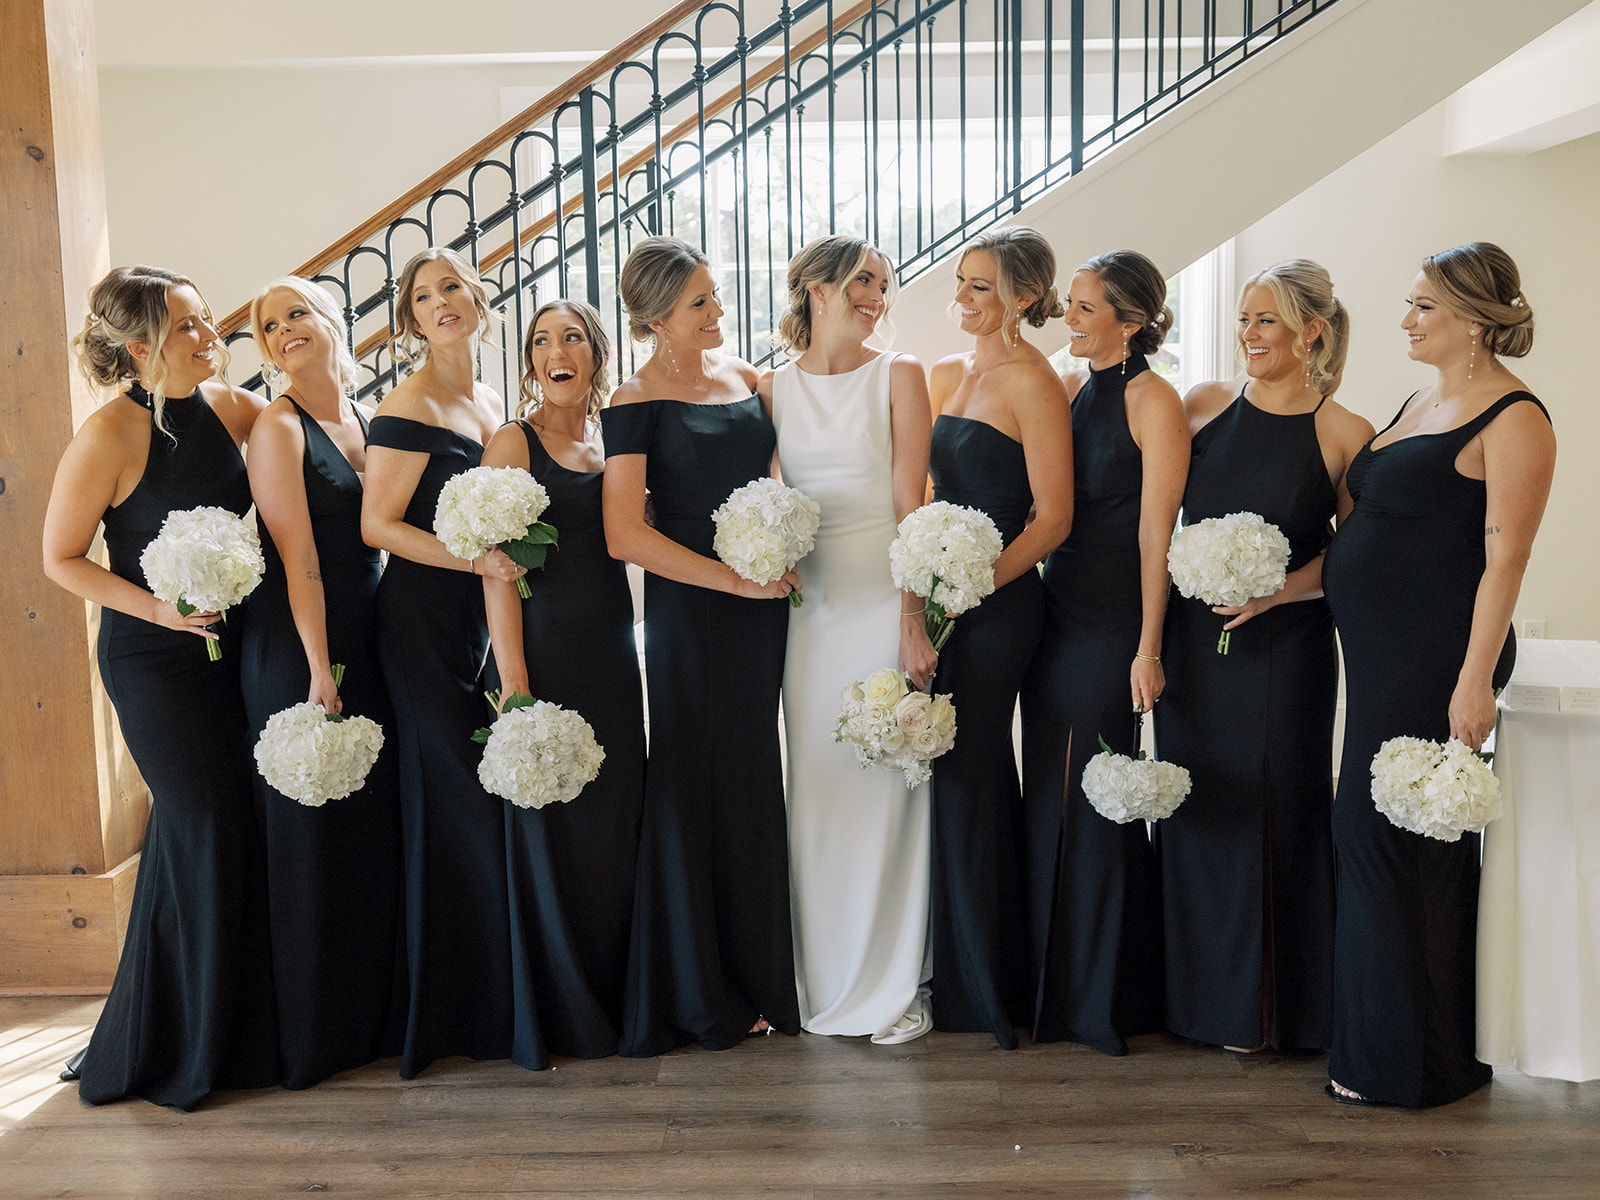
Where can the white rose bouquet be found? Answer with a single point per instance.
(488, 507)
(891, 724)
(764, 528)
(314, 756)
(203, 560)
(1438, 791)
(537, 753)
(1228, 560)
(1124, 789)
(945, 553)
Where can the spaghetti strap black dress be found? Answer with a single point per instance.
(1094, 903)
(1247, 860)
(712, 949)
(433, 640)
(333, 873)
(979, 918)
(190, 1010)
(571, 866)
(1402, 577)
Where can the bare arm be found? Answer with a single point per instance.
(507, 448)
(277, 483)
(910, 427)
(1519, 458)
(391, 480)
(1043, 418)
(1156, 421)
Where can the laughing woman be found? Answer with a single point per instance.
(433, 640)
(571, 866)
(191, 1009)
(333, 872)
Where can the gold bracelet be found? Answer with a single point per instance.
(915, 612)
(1155, 658)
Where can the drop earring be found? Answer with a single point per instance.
(1472, 355)
(1124, 356)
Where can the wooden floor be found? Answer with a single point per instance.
(804, 1118)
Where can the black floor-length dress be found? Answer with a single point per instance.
(433, 640)
(712, 949)
(1093, 893)
(979, 918)
(191, 1010)
(333, 872)
(1402, 577)
(1247, 860)
(571, 866)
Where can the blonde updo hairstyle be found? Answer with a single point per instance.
(1303, 292)
(408, 344)
(322, 309)
(1479, 282)
(130, 305)
(600, 344)
(1027, 265)
(835, 259)
(657, 271)
(1137, 293)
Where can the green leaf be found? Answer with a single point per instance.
(184, 607)
(332, 717)
(1100, 737)
(481, 736)
(528, 555)
(541, 534)
(517, 700)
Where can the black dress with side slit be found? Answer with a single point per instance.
(1402, 577)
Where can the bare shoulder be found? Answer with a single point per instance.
(1036, 379)
(737, 373)
(951, 367)
(1524, 426)
(764, 384)
(507, 446)
(1349, 430)
(406, 399)
(1150, 390)
(1205, 400)
(118, 425)
(634, 391)
(280, 419)
(1073, 380)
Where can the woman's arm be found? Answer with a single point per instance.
(507, 448)
(1161, 431)
(391, 480)
(911, 433)
(1519, 458)
(1040, 406)
(277, 484)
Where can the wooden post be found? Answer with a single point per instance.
(72, 808)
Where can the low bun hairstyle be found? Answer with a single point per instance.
(130, 305)
(1137, 293)
(657, 271)
(1303, 292)
(1027, 265)
(835, 259)
(1480, 283)
(599, 345)
(408, 344)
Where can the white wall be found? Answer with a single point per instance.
(1372, 221)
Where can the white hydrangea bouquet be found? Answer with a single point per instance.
(764, 528)
(1439, 791)
(314, 756)
(488, 507)
(1124, 789)
(945, 553)
(1228, 560)
(537, 753)
(891, 724)
(203, 560)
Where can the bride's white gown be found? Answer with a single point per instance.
(858, 839)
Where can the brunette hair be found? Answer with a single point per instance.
(325, 310)
(1027, 264)
(654, 276)
(407, 343)
(1137, 293)
(835, 259)
(599, 344)
(1480, 283)
(1303, 292)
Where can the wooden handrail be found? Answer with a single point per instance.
(544, 224)
(539, 109)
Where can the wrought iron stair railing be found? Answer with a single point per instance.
(752, 126)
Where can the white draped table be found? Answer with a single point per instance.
(1539, 904)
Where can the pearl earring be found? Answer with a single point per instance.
(1473, 355)
(1124, 356)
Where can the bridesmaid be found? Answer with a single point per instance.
(191, 1009)
(570, 866)
(1093, 896)
(432, 642)
(853, 431)
(1002, 443)
(1422, 579)
(712, 956)
(1247, 861)
(333, 873)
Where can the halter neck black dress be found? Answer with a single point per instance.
(979, 919)
(1094, 903)
(571, 866)
(712, 948)
(1247, 860)
(333, 872)
(433, 640)
(191, 1008)
(1402, 577)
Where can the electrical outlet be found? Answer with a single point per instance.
(1532, 627)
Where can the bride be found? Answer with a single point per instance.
(853, 434)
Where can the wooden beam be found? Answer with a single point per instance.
(64, 933)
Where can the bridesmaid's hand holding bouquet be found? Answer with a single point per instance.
(764, 529)
(945, 553)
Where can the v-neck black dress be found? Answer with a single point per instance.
(433, 640)
(191, 1009)
(1402, 577)
(333, 872)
